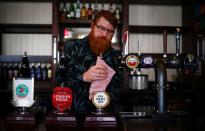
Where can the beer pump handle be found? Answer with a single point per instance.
(165, 43)
(177, 41)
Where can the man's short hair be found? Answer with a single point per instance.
(109, 16)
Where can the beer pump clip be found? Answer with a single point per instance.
(132, 61)
(23, 94)
(146, 61)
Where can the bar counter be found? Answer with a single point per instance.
(53, 122)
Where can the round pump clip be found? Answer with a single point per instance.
(190, 61)
(132, 61)
(147, 61)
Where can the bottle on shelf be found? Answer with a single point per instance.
(10, 71)
(49, 72)
(72, 11)
(44, 71)
(96, 8)
(83, 10)
(117, 12)
(111, 7)
(4, 76)
(16, 70)
(24, 71)
(38, 71)
(77, 10)
(90, 12)
(33, 70)
(64, 11)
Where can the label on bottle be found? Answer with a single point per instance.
(44, 73)
(72, 14)
(77, 13)
(83, 13)
(49, 73)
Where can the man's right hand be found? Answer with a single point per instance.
(96, 72)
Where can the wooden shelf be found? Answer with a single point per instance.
(26, 0)
(17, 58)
(156, 29)
(98, 1)
(78, 22)
(26, 28)
(75, 22)
(157, 2)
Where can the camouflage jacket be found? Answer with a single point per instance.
(79, 59)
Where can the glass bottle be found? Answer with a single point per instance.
(10, 71)
(4, 76)
(89, 12)
(33, 70)
(38, 72)
(16, 70)
(95, 9)
(49, 72)
(44, 72)
(64, 11)
(117, 12)
(72, 11)
(77, 10)
(83, 11)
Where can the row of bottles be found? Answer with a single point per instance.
(40, 71)
(87, 10)
(23, 69)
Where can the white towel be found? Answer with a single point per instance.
(101, 85)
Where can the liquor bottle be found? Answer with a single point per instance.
(38, 72)
(117, 12)
(77, 10)
(33, 70)
(16, 70)
(72, 11)
(89, 12)
(10, 71)
(83, 14)
(44, 72)
(95, 8)
(64, 11)
(4, 76)
(24, 69)
(49, 72)
(111, 7)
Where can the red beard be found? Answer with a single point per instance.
(98, 45)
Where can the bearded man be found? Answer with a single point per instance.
(81, 67)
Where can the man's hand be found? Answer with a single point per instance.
(96, 72)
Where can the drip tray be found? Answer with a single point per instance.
(132, 114)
